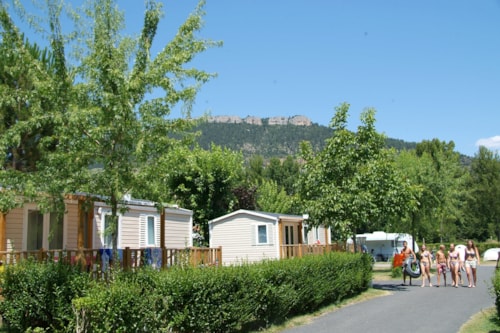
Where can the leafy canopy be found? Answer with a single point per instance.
(352, 182)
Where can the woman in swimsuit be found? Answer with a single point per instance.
(471, 262)
(425, 265)
(453, 264)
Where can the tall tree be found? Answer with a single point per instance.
(115, 121)
(31, 81)
(483, 205)
(203, 180)
(352, 182)
(444, 187)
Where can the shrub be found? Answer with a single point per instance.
(40, 295)
(216, 299)
(496, 289)
(224, 299)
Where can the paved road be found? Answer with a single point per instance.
(409, 309)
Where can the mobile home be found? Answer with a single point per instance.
(384, 246)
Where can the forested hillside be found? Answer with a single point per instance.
(271, 140)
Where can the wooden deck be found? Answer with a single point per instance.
(99, 260)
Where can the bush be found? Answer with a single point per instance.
(224, 299)
(59, 298)
(496, 289)
(40, 295)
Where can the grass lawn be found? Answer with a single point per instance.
(483, 322)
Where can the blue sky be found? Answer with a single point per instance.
(430, 68)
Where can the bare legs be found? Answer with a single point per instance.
(471, 275)
(425, 269)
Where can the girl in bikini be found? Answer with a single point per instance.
(471, 262)
(425, 265)
(453, 264)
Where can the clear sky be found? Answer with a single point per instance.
(430, 68)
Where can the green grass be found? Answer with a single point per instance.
(485, 321)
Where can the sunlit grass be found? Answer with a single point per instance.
(485, 321)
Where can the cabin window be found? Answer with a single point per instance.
(44, 230)
(149, 230)
(262, 234)
(151, 227)
(55, 231)
(35, 230)
(107, 237)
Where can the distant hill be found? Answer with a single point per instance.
(270, 137)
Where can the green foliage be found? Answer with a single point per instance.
(483, 204)
(270, 198)
(94, 117)
(496, 290)
(396, 272)
(202, 180)
(225, 299)
(40, 295)
(352, 182)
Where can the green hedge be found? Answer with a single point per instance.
(224, 299)
(496, 289)
(40, 295)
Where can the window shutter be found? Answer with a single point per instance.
(270, 234)
(142, 230)
(253, 234)
(157, 231)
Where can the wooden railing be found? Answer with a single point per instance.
(300, 250)
(99, 260)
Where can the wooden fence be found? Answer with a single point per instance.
(300, 250)
(99, 260)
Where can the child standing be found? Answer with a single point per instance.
(441, 265)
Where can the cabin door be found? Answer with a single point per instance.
(290, 239)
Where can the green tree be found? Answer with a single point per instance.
(284, 173)
(31, 82)
(352, 182)
(203, 180)
(115, 122)
(443, 188)
(273, 198)
(483, 204)
(419, 171)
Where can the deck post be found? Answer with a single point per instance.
(3, 230)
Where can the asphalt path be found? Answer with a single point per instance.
(410, 308)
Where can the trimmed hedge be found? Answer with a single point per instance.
(224, 299)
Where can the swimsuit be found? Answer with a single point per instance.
(454, 259)
(472, 261)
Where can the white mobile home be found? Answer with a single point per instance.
(384, 246)
(250, 236)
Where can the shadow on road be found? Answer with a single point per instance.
(392, 286)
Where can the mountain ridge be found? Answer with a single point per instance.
(269, 137)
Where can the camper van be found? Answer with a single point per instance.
(383, 246)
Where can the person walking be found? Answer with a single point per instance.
(454, 264)
(425, 265)
(441, 264)
(407, 252)
(471, 262)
